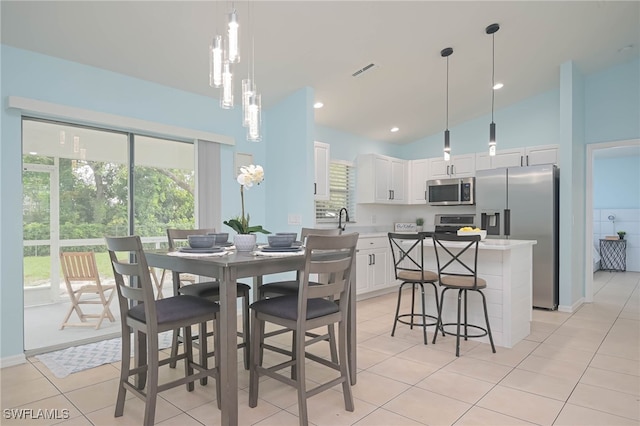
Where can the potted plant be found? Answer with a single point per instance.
(621, 234)
(419, 224)
(245, 239)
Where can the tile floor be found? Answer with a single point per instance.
(574, 369)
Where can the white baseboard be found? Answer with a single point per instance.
(10, 361)
(571, 309)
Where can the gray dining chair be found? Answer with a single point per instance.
(313, 306)
(454, 273)
(208, 290)
(148, 317)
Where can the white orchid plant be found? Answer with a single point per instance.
(249, 176)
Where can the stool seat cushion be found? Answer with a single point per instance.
(209, 289)
(283, 287)
(462, 282)
(176, 308)
(418, 276)
(287, 307)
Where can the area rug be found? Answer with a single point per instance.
(78, 358)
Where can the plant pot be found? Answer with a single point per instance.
(621, 237)
(244, 242)
(419, 228)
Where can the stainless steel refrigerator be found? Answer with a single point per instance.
(521, 203)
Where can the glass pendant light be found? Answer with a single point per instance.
(226, 100)
(233, 41)
(254, 130)
(445, 53)
(248, 90)
(215, 62)
(492, 30)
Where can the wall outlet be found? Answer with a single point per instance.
(294, 219)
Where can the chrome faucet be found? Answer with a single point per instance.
(346, 218)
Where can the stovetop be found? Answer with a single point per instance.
(450, 223)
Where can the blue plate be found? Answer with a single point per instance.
(280, 249)
(201, 250)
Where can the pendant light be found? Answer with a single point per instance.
(492, 30)
(233, 41)
(215, 62)
(445, 53)
(226, 100)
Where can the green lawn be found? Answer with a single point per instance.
(37, 268)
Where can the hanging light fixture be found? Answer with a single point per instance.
(226, 100)
(492, 30)
(445, 53)
(233, 47)
(248, 84)
(215, 62)
(254, 133)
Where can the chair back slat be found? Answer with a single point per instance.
(177, 236)
(79, 266)
(407, 251)
(132, 276)
(447, 265)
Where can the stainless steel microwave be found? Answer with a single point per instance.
(451, 192)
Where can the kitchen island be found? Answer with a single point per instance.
(506, 265)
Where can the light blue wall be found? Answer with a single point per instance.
(347, 147)
(616, 183)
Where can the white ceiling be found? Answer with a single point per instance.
(320, 44)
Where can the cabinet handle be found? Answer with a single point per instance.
(452, 172)
(393, 194)
(447, 170)
(521, 160)
(425, 195)
(369, 259)
(527, 159)
(315, 188)
(374, 259)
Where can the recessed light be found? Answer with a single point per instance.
(498, 86)
(318, 105)
(394, 129)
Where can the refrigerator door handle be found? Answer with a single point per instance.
(521, 160)
(507, 222)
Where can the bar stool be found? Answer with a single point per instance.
(408, 261)
(450, 276)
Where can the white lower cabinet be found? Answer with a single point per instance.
(372, 264)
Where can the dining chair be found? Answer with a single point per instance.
(407, 251)
(312, 307)
(80, 267)
(209, 290)
(456, 273)
(148, 317)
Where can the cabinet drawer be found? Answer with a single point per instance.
(372, 243)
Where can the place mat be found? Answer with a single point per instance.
(79, 358)
(278, 253)
(182, 254)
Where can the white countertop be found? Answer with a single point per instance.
(487, 244)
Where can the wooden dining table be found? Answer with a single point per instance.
(228, 269)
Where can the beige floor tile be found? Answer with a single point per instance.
(505, 356)
(80, 379)
(428, 355)
(522, 405)
(551, 367)
(328, 409)
(617, 364)
(280, 394)
(75, 421)
(376, 389)
(563, 354)
(180, 420)
(478, 369)
(540, 384)
(376, 326)
(620, 347)
(456, 386)
(370, 357)
(572, 415)
(209, 414)
(609, 401)
(582, 343)
(427, 407)
(387, 344)
(382, 417)
(33, 390)
(281, 418)
(185, 400)
(448, 344)
(133, 413)
(611, 380)
(48, 411)
(97, 396)
(405, 371)
(540, 331)
(552, 317)
(19, 374)
(478, 416)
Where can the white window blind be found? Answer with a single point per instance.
(342, 187)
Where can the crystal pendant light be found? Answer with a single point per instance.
(492, 30)
(215, 62)
(226, 100)
(254, 130)
(248, 90)
(445, 53)
(233, 47)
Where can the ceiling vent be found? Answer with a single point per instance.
(361, 71)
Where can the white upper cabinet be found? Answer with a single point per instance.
(418, 176)
(518, 157)
(321, 157)
(382, 179)
(459, 166)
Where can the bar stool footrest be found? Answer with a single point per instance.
(466, 336)
(417, 324)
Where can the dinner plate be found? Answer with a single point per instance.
(201, 250)
(280, 249)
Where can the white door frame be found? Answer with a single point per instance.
(588, 258)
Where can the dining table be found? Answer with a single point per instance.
(228, 268)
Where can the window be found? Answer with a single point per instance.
(342, 184)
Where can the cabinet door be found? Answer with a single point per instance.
(463, 165)
(379, 269)
(418, 175)
(438, 168)
(545, 154)
(321, 159)
(398, 181)
(382, 167)
(363, 258)
(508, 158)
(483, 161)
